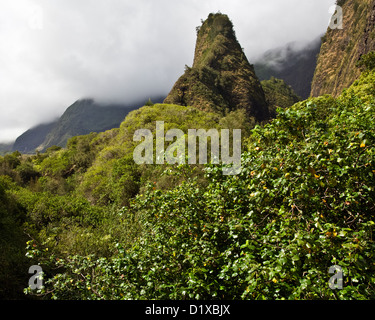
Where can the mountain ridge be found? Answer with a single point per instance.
(82, 117)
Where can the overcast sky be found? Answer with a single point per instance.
(54, 52)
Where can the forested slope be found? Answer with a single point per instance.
(303, 202)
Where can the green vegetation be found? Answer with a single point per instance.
(13, 262)
(221, 78)
(104, 228)
(367, 62)
(278, 94)
(336, 64)
(71, 197)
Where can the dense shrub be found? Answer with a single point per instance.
(13, 262)
(303, 202)
(278, 94)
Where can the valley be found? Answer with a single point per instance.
(75, 202)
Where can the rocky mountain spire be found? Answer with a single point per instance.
(221, 78)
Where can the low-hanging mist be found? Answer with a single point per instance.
(122, 51)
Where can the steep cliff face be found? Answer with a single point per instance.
(221, 78)
(342, 48)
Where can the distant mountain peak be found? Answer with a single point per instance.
(221, 78)
(82, 117)
(216, 32)
(294, 62)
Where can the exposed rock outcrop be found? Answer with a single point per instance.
(221, 78)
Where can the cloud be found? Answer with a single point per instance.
(55, 52)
